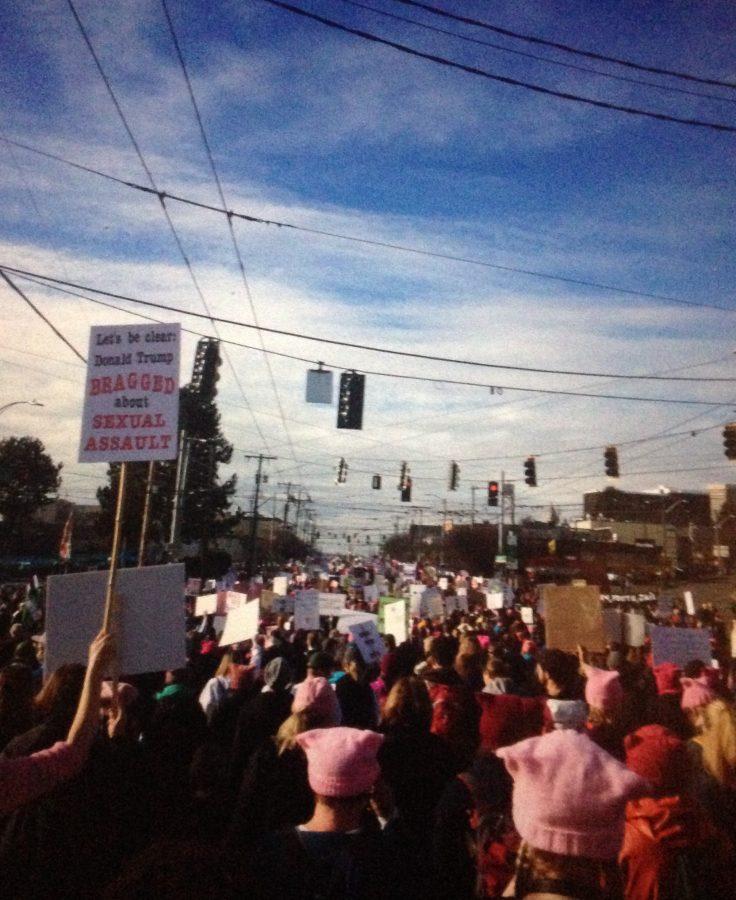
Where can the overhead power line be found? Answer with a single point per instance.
(532, 39)
(385, 245)
(502, 79)
(543, 59)
(372, 348)
(50, 281)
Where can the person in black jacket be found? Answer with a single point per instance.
(355, 694)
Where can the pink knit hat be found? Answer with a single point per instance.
(603, 689)
(569, 795)
(341, 762)
(317, 694)
(695, 693)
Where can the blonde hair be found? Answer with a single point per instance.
(408, 703)
(225, 663)
(299, 722)
(718, 740)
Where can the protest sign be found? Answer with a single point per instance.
(368, 641)
(280, 585)
(370, 593)
(432, 605)
(283, 606)
(150, 623)
(131, 399)
(634, 629)
(394, 620)
(266, 601)
(306, 611)
(689, 603)
(234, 600)
(354, 617)
(679, 645)
(205, 605)
(241, 624)
(613, 626)
(415, 598)
(527, 615)
(331, 604)
(442, 583)
(574, 617)
(494, 599)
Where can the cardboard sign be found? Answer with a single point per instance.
(613, 626)
(634, 629)
(234, 600)
(574, 617)
(689, 603)
(306, 611)
(332, 604)
(368, 641)
(131, 397)
(280, 585)
(241, 624)
(205, 605)
(679, 645)
(527, 615)
(494, 599)
(394, 620)
(151, 619)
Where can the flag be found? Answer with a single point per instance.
(65, 547)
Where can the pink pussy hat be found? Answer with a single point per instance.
(569, 795)
(695, 694)
(341, 762)
(317, 695)
(603, 689)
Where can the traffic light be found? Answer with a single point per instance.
(729, 440)
(406, 491)
(342, 472)
(350, 403)
(493, 493)
(403, 476)
(610, 456)
(530, 471)
(376, 483)
(454, 476)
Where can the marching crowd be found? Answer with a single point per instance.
(471, 762)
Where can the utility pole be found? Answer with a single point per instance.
(500, 520)
(286, 485)
(473, 489)
(182, 464)
(203, 538)
(254, 517)
(146, 512)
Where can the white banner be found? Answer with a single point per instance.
(131, 399)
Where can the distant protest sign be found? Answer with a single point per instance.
(527, 615)
(354, 617)
(234, 600)
(415, 598)
(241, 624)
(679, 645)
(266, 601)
(151, 622)
(283, 605)
(432, 605)
(494, 600)
(613, 626)
(689, 603)
(394, 620)
(635, 629)
(280, 585)
(368, 640)
(370, 593)
(574, 617)
(306, 611)
(331, 604)
(206, 605)
(131, 399)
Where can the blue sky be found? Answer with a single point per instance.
(325, 130)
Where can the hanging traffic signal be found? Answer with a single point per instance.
(403, 476)
(454, 476)
(342, 472)
(729, 440)
(493, 493)
(610, 457)
(350, 403)
(406, 491)
(530, 471)
(376, 483)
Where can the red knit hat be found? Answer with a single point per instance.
(657, 755)
(667, 676)
(506, 719)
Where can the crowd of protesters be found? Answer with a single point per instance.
(472, 762)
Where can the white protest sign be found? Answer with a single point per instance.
(442, 583)
(370, 593)
(306, 611)
(494, 599)
(634, 629)
(150, 625)
(280, 585)
(368, 641)
(431, 604)
(131, 398)
(234, 600)
(689, 603)
(679, 645)
(205, 605)
(354, 617)
(332, 604)
(527, 615)
(394, 619)
(241, 624)
(415, 598)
